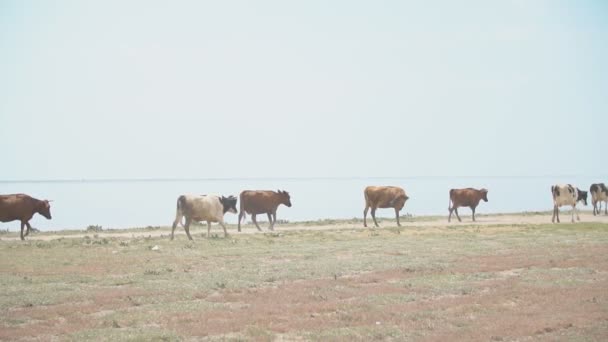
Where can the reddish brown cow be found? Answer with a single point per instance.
(255, 202)
(383, 197)
(465, 198)
(22, 207)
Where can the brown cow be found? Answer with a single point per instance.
(255, 202)
(383, 197)
(465, 198)
(22, 207)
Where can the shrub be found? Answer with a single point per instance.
(94, 228)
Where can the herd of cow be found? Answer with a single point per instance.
(211, 208)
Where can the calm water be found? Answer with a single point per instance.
(122, 204)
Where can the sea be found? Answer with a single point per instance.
(77, 204)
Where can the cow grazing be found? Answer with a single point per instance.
(383, 197)
(22, 207)
(465, 198)
(255, 202)
(567, 195)
(208, 208)
(599, 194)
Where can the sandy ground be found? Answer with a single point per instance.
(422, 221)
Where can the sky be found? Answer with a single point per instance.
(222, 89)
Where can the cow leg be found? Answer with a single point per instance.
(557, 213)
(605, 207)
(22, 226)
(473, 210)
(572, 214)
(594, 207)
(224, 226)
(450, 216)
(457, 216)
(374, 216)
(365, 216)
(208, 229)
(178, 219)
(241, 214)
(255, 221)
(27, 224)
(397, 215)
(187, 227)
(270, 222)
(553, 217)
(574, 211)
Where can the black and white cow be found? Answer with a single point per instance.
(599, 194)
(567, 195)
(208, 208)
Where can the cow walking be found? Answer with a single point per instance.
(383, 197)
(468, 197)
(567, 195)
(22, 207)
(255, 202)
(208, 208)
(599, 194)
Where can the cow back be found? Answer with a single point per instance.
(564, 194)
(468, 197)
(202, 207)
(385, 197)
(599, 192)
(259, 201)
(17, 207)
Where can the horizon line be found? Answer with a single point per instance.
(223, 179)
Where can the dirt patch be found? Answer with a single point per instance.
(502, 306)
(66, 318)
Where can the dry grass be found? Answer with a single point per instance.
(496, 282)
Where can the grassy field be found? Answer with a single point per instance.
(470, 282)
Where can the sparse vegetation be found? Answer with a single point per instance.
(94, 228)
(417, 282)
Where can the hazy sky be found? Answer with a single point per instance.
(139, 89)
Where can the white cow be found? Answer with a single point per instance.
(599, 194)
(566, 195)
(208, 208)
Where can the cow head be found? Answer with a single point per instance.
(484, 194)
(582, 196)
(284, 197)
(44, 209)
(229, 204)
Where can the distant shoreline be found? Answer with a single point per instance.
(407, 221)
(231, 179)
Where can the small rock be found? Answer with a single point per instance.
(155, 248)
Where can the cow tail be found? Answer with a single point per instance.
(242, 207)
(181, 202)
(450, 198)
